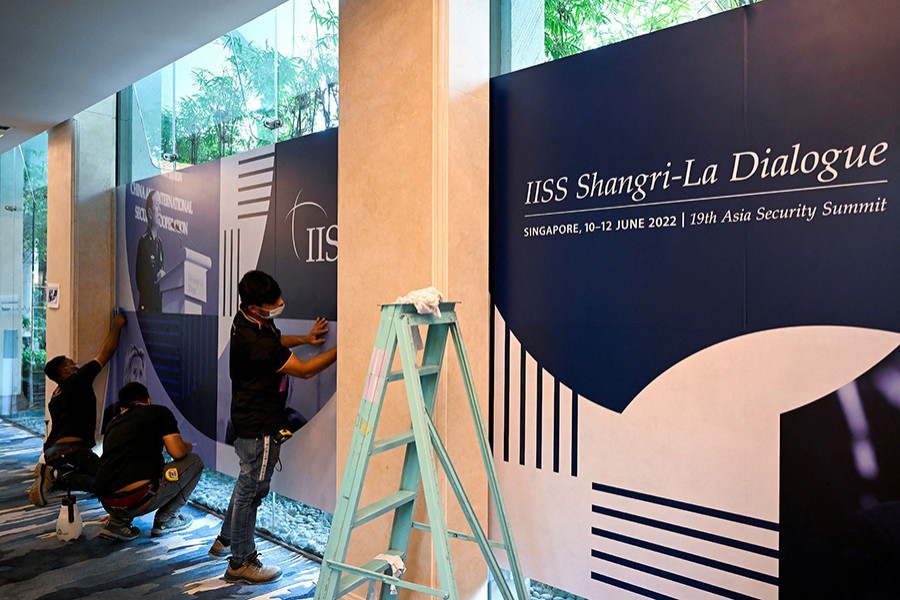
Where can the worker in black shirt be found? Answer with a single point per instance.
(260, 363)
(73, 421)
(133, 479)
(150, 260)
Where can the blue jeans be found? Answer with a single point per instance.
(257, 458)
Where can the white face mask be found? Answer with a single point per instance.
(270, 314)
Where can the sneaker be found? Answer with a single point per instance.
(219, 548)
(124, 532)
(43, 483)
(171, 525)
(252, 572)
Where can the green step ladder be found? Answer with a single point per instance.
(399, 328)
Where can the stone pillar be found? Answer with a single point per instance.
(81, 234)
(413, 212)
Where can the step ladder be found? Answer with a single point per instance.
(399, 328)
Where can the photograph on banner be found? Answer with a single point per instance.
(693, 241)
(167, 279)
(172, 240)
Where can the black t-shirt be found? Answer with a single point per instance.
(132, 447)
(258, 391)
(73, 406)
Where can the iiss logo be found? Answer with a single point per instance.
(321, 235)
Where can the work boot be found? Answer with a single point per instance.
(252, 572)
(220, 549)
(43, 483)
(123, 531)
(172, 524)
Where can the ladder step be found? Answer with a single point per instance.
(350, 581)
(393, 441)
(376, 509)
(375, 569)
(459, 535)
(423, 371)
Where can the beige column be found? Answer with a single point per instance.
(81, 233)
(412, 206)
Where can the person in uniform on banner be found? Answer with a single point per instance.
(150, 257)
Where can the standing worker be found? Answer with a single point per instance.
(73, 420)
(260, 363)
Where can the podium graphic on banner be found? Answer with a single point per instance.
(184, 286)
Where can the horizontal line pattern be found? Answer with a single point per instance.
(253, 200)
(257, 158)
(721, 514)
(660, 547)
(255, 181)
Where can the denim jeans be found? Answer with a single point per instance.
(257, 457)
(170, 497)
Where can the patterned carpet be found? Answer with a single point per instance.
(34, 564)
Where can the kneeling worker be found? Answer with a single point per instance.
(132, 479)
(73, 420)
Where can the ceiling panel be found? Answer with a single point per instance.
(60, 57)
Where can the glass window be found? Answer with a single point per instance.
(573, 26)
(272, 79)
(23, 268)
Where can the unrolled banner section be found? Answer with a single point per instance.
(695, 285)
(185, 238)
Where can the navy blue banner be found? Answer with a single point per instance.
(302, 232)
(652, 199)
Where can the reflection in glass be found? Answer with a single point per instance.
(23, 268)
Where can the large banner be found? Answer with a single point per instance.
(184, 240)
(695, 277)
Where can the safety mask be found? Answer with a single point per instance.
(270, 314)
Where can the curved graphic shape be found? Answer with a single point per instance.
(630, 230)
(292, 215)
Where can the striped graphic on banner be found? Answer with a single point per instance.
(247, 192)
(659, 547)
(532, 416)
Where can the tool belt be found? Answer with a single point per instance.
(57, 452)
(130, 499)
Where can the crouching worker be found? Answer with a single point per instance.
(133, 479)
(73, 419)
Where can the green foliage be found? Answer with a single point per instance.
(34, 227)
(572, 26)
(34, 257)
(33, 361)
(566, 22)
(302, 91)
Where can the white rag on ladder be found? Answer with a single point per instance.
(427, 300)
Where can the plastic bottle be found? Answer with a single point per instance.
(68, 524)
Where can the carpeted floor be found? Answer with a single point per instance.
(34, 564)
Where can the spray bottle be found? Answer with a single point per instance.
(68, 524)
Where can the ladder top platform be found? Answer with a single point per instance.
(446, 305)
